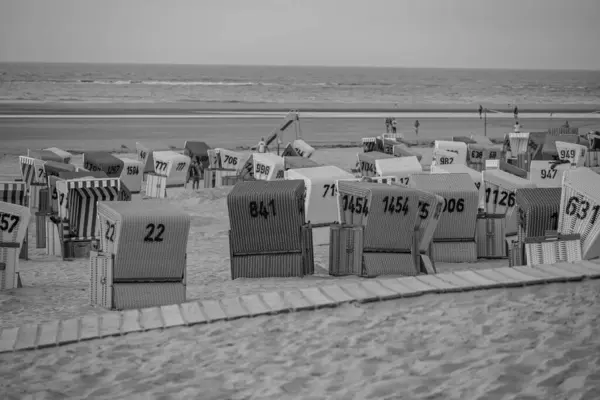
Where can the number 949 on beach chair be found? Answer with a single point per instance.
(268, 236)
(141, 257)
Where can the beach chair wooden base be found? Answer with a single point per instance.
(24, 254)
(491, 241)
(156, 186)
(53, 241)
(427, 266)
(285, 264)
(515, 252)
(104, 292)
(386, 263)
(9, 266)
(553, 249)
(74, 249)
(40, 230)
(346, 250)
(455, 251)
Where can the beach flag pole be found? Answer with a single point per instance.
(485, 122)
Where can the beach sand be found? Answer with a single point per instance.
(540, 342)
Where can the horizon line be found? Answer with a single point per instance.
(302, 66)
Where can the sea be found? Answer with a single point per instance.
(141, 83)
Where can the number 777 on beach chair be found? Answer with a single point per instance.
(14, 220)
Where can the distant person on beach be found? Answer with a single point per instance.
(388, 125)
(566, 125)
(393, 125)
(194, 175)
(262, 147)
(516, 112)
(480, 111)
(517, 127)
(417, 124)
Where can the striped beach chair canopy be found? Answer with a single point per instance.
(547, 174)
(369, 144)
(296, 162)
(173, 165)
(302, 148)
(79, 203)
(460, 206)
(550, 152)
(518, 142)
(197, 151)
(54, 168)
(131, 176)
(144, 153)
(103, 161)
(268, 166)
(389, 214)
(580, 209)
(58, 200)
(480, 139)
(32, 170)
(266, 216)
(459, 148)
(537, 210)
(464, 139)
(148, 239)
(44, 155)
(402, 150)
(446, 157)
(400, 167)
(13, 193)
(64, 155)
(366, 162)
(230, 160)
(500, 192)
(563, 131)
(289, 151)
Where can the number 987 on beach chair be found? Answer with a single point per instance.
(141, 257)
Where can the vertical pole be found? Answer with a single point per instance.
(485, 122)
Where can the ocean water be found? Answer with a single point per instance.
(271, 84)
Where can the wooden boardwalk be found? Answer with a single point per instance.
(61, 332)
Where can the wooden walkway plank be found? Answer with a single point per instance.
(526, 279)
(296, 301)
(358, 292)
(213, 311)
(8, 339)
(570, 276)
(316, 297)
(577, 268)
(478, 281)
(590, 265)
(48, 334)
(441, 285)
(274, 300)
(460, 283)
(27, 337)
(547, 277)
(233, 308)
(254, 305)
(417, 285)
(192, 313)
(151, 318)
(382, 292)
(504, 279)
(172, 315)
(336, 294)
(397, 286)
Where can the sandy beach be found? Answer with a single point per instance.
(529, 343)
(540, 342)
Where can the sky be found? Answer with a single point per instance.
(546, 34)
